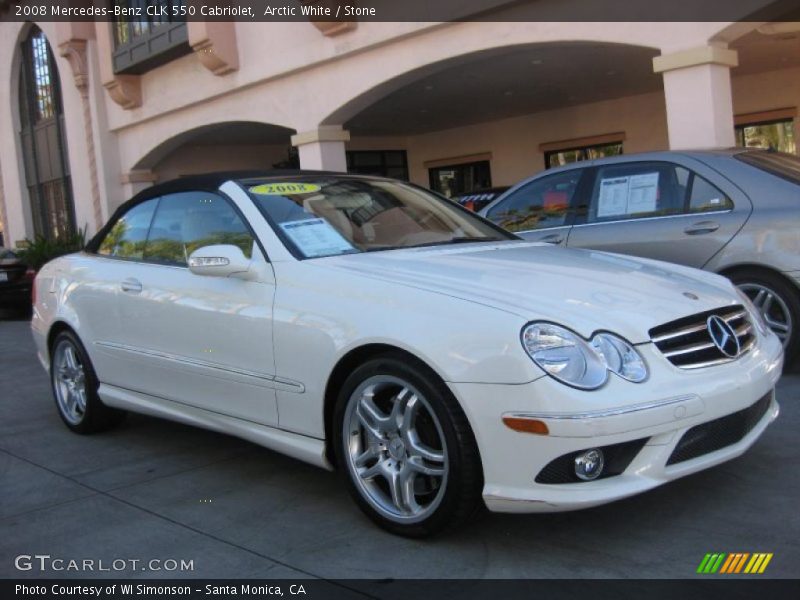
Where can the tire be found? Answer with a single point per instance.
(779, 303)
(74, 385)
(395, 421)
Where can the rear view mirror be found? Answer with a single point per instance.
(221, 260)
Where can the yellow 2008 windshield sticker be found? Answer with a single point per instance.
(284, 188)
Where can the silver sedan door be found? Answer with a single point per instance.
(681, 212)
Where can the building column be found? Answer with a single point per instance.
(697, 89)
(322, 148)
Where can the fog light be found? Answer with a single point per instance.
(589, 464)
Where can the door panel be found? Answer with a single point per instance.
(203, 341)
(199, 340)
(668, 211)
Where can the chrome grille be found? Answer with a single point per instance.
(687, 343)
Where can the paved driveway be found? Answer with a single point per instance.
(154, 489)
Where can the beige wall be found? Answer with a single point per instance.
(768, 91)
(514, 143)
(190, 160)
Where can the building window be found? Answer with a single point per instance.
(455, 180)
(43, 140)
(146, 41)
(557, 158)
(774, 135)
(383, 163)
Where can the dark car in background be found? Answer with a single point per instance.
(477, 200)
(735, 212)
(16, 280)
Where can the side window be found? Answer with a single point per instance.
(638, 190)
(705, 197)
(539, 204)
(187, 221)
(128, 236)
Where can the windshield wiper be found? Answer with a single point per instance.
(464, 239)
(454, 240)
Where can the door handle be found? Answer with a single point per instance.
(701, 227)
(553, 238)
(131, 285)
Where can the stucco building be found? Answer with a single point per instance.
(93, 112)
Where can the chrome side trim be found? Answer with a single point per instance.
(194, 362)
(609, 412)
(640, 219)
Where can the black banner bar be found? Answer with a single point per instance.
(402, 10)
(707, 588)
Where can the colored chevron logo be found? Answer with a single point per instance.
(737, 562)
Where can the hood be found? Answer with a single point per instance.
(580, 289)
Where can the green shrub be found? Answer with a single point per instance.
(35, 253)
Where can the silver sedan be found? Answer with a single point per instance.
(735, 212)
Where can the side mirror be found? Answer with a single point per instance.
(221, 260)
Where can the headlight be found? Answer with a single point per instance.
(564, 355)
(569, 358)
(620, 357)
(755, 315)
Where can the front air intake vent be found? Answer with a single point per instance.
(705, 339)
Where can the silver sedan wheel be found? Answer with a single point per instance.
(772, 308)
(395, 449)
(69, 382)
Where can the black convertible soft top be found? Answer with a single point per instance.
(206, 182)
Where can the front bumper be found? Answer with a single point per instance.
(660, 410)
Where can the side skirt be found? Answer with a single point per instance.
(297, 446)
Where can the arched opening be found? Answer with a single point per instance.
(492, 117)
(768, 53)
(43, 139)
(226, 146)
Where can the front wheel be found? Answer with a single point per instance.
(405, 449)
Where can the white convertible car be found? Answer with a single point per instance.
(437, 361)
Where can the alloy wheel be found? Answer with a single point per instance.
(69, 382)
(772, 307)
(395, 449)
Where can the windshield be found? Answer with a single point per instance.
(321, 215)
(781, 164)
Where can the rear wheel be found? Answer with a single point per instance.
(405, 449)
(779, 305)
(75, 384)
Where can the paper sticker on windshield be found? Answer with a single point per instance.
(284, 188)
(315, 237)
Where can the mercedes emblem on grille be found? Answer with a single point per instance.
(723, 336)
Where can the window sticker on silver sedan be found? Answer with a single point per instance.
(628, 195)
(316, 237)
(284, 188)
